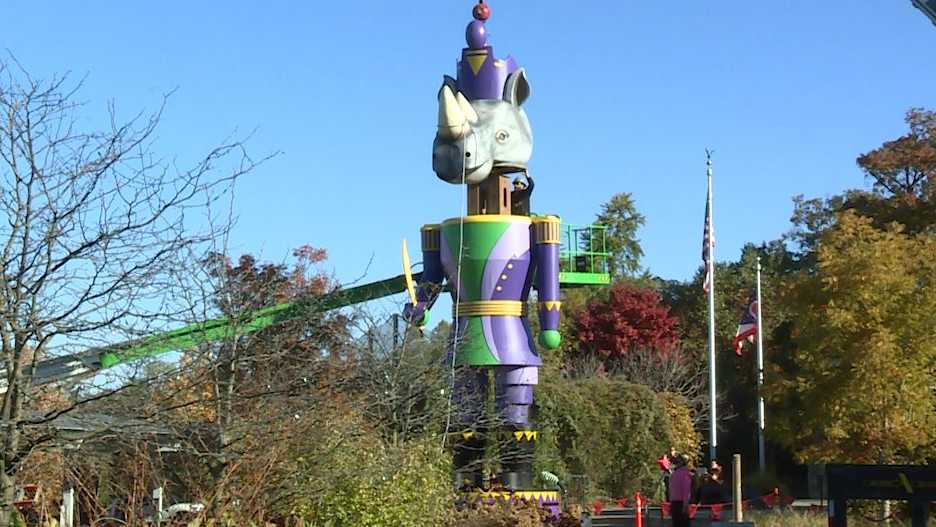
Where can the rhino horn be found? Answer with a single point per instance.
(453, 123)
(466, 108)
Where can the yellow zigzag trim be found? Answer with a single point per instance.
(529, 495)
(536, 494)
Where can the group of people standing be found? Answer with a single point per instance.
(685, 486)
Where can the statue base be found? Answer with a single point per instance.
(544, 499)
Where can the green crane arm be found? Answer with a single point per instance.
(220, 328)
(89, 362)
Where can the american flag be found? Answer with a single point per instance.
(747, 329)
(708, 241)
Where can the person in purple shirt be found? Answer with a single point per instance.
(680, 492)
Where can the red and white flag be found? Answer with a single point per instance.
(747, 329)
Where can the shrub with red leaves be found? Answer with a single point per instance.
(629, 317)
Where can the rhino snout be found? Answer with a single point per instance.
(447, 162)
(460, 160)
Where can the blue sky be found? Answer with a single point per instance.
(627, 95)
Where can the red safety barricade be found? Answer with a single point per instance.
(716, 511)
(598, 506)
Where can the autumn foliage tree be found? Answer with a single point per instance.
(254, 395)
(906, 167)
(903, 178)
(98, 228)
(628, 317)
(858, 386)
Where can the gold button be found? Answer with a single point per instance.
(499, 288)
(510, 266)
(503, 277)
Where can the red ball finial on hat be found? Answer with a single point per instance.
(481, 11)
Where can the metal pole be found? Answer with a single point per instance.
(67, 509)
(158, 504)
(761, 452)
(736, 480)
(713, 413)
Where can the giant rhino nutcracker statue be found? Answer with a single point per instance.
(491, 259)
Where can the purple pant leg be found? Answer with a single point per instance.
(469, 395)
(468, 399)
(514, 397)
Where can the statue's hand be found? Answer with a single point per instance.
(416, 314)
(550, 339)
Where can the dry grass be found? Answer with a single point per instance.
(789, 518)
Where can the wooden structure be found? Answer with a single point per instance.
(915, 484)
(492, 196)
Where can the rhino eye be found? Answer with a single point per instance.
(502, 136)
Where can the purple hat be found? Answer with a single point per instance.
(480, 74)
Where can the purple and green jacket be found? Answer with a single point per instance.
(501, 258)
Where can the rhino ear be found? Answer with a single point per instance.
(517, 90)
(450, 82)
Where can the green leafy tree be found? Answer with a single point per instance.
(858, 384)
(619, 214)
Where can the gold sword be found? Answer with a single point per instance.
(408, 275)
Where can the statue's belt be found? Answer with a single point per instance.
(508, 308)
(504, 308)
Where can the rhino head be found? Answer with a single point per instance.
(483, 137)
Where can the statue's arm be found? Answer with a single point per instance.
(430, 284)
(528, 191)
(546, 254)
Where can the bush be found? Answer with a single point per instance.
(608, 429)
(501, 514)
(679, 416)
(762, 483)
(358, 480)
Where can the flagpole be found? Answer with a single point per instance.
(713, 414)
(761, 453)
